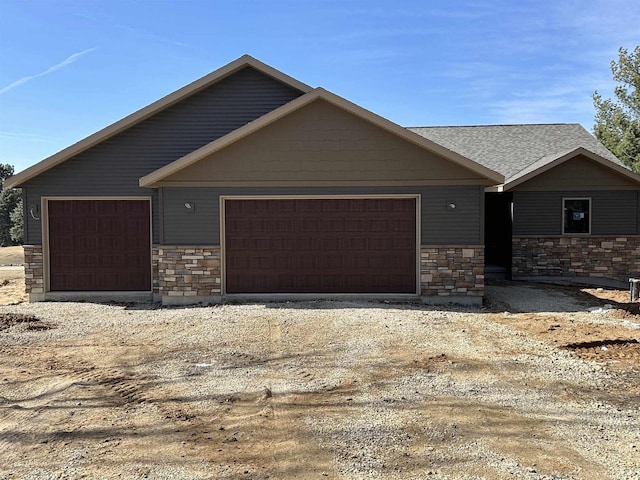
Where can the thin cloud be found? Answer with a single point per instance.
(68, 61)
(567, 100)
(16, 135)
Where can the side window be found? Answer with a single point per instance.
(577, 215)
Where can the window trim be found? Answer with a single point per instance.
(564, 199)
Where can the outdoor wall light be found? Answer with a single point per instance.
(34, 211)
(189, 207)
(451, 206)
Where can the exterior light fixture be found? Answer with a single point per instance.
(34, 211)
(451, 206)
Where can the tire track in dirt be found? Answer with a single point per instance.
(35, 424)
(290, 409)
(112, 379)
(14, 416)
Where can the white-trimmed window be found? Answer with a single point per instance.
(576, 216)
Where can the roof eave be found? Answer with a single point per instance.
(151, 109)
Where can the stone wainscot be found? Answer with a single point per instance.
(452, 274)
(188, 274)
(592, 257)
(34, 272)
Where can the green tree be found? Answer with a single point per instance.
(617, 122)
(6, 171)
(8, 201)
(17, 223)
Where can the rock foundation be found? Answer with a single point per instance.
(616, 258)
(33, 269)
(452, 271)
(192, 271)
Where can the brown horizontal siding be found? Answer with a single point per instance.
(323, 144)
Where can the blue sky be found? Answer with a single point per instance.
(71, 67)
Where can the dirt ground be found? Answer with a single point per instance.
(613, 342)
(11, 280)
(12, 287)
(11, 255)
(324, 389)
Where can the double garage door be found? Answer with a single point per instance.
(99, 245)
(348, 245)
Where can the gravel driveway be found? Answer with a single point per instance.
(305, 390)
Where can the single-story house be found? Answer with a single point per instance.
(248, 182)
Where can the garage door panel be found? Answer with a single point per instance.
(284, 225)
(84, 243)
(62, 279)
(99, 245)
(310, 262)
(356, 243)
(310, 225)
(61, 261)
(320, 246)
(306, 244)
(111, 244)
(86, 261)
(356, 225)
(332, 244)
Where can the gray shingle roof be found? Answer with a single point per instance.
(509, 149)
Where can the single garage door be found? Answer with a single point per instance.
(99, 245)
(353, 245)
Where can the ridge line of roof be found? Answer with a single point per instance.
(498, 125)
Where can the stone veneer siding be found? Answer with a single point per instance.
(155, 279)
(192, 271)
(452, 271)
(33, 269)
(617, 258)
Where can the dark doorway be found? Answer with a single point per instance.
(497, 234)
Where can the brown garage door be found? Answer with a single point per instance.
(99, 245)
(320, 246)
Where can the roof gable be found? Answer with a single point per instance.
(151, 111)
(479, 171)
(321, 144)
(577, 169)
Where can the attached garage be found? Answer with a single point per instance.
(258, 185)
(99, 245)
(321, 245)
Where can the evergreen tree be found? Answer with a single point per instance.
(17, 223)
(8, 202)
(617, 122)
